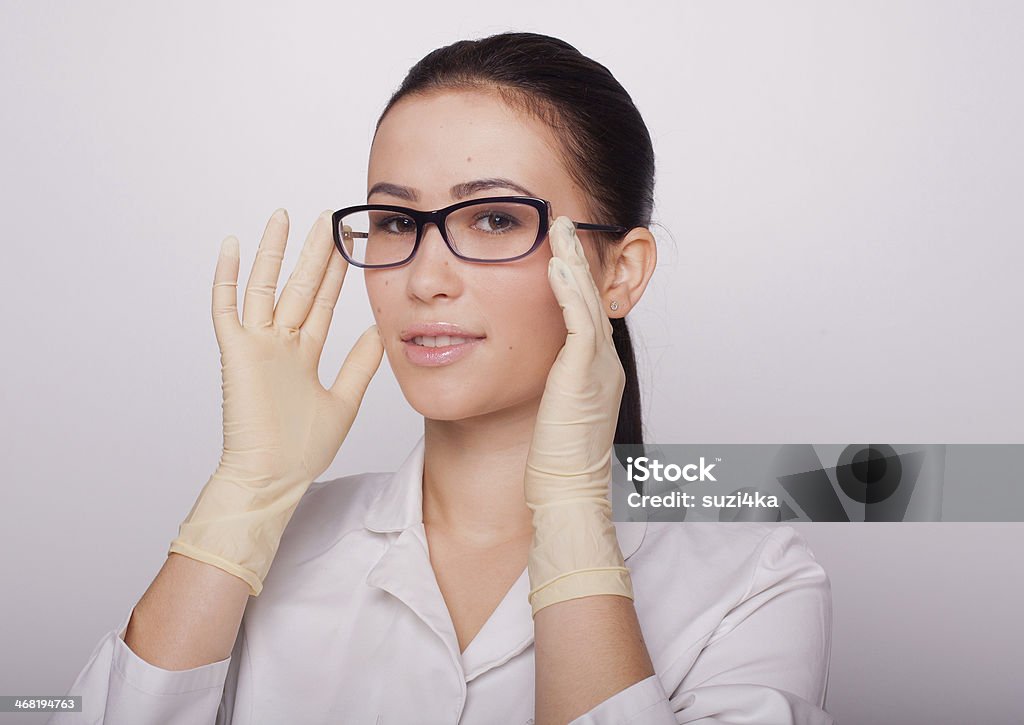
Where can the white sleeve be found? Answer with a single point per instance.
(766, 663)
(768, 660)
(643, 703)
(117, 686)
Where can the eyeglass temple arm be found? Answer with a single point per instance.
(600, 228)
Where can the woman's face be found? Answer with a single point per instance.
(430, 144)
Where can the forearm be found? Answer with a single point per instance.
(588, 644)
(586, 650)
(189, 616)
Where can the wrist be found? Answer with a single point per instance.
(575, 553)
(237, 522)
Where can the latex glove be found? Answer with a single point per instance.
(282, 428)
(575, 552)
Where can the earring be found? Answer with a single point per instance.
(614, 305)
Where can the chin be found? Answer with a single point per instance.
(466, 402)
(438, 401)
(434, 409)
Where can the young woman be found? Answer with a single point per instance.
(503, 241)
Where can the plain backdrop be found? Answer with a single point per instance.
(838, 217)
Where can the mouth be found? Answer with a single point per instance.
(433, 334)
(441, 340)
(439, 350)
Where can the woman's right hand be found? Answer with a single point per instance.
(282, 428)
(279, 421)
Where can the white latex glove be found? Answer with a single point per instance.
(575, 552)
(282, 428)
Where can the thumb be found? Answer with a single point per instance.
(359, 367)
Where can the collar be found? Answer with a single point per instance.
(399, 505)
(404, 571)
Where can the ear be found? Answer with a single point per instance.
(629, 266)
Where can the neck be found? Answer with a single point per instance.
(473, 476)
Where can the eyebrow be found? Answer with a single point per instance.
(459, 191)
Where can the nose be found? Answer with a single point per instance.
(432, 244)
(434, 269)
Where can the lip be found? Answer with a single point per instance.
(436, 356)
(434, 329)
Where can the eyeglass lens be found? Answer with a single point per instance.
(492, 231)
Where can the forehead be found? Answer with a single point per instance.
(435, 141)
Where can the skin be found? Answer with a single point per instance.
(479, 412)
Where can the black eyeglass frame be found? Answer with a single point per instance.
(439, 217)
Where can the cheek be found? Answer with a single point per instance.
(381, 292)
(527, 323)
(380, 289)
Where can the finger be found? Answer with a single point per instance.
(258, 306)
(318, 322)
(571, 251)
(591, 293)
(579, 342)
(225, 291)
(298, 293)
(359, 367)
(346, 238)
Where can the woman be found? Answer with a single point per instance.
(484, 581)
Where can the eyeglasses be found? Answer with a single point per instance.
(491, 230)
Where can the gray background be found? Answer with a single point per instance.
(839, 222)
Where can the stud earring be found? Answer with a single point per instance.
(614, 305)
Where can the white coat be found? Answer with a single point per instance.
(351, 627)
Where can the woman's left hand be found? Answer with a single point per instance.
(568, 469)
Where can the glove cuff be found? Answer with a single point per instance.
(238, 527)
(575, 553)
(248, 576)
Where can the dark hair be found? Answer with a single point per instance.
(605, 144)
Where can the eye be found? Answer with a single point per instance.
(402, 225)
(498, 222)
